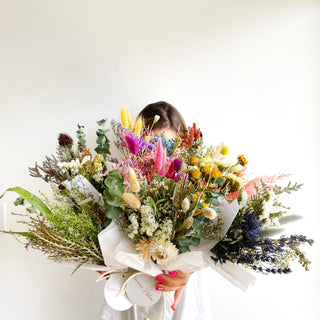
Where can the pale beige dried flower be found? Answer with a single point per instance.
(133, 180)
(131, 200)
(209, 213)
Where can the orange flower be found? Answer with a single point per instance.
(216, 174)
(242, 160)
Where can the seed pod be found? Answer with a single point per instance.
(133, 180)
(188, 223)
(131, 200)
(185, 204)
(209, 213)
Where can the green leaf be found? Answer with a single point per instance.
(199, 222)
(101, 122)
(195, 241)
(219, 181)
(23, 234)
(112, 212)
(31, 198)
(185, 242)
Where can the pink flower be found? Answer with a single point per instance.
(132, 144)
(160, 158)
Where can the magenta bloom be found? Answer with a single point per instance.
(132, 144)
(174, 169)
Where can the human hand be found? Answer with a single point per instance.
(174, 281)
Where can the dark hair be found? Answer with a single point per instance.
(170, 118)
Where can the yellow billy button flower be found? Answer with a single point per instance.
(138, 127)
(194, 160)
(242, 160)
(196, 174)
(225, 150)
(133, 180)
(131, 200)
(216, 174)
(207, 169)
(125, 117)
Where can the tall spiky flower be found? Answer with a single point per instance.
(125, 117)
(160, 158)
(132, 144)
(138, 127)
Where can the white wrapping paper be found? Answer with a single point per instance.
(119, 253)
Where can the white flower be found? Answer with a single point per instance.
(133, 229)
(165, 230)
(85, 159)
(163, 251)
(148, 222)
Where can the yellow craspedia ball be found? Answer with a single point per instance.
(207, 169)
(196, 174)
(225, 150)
(216, 174)
(194, 160)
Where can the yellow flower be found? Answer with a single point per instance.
(196, 174)
(225, 150)
(194, 160)
(205, 204)
(125, 117)
(98, 158)
(130, 121)
(138, 127)
(207, 169)
(97, 166)
(242, 160)
(216, 174)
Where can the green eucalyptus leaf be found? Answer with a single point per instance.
(195, 241)
(112, 212)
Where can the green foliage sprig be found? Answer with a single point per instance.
(103, 143)
(81, 137)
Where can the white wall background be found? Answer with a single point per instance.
(248, 71)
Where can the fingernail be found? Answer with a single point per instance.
(159, 288)
(173, 273)
(173, 308)
(159, 278)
